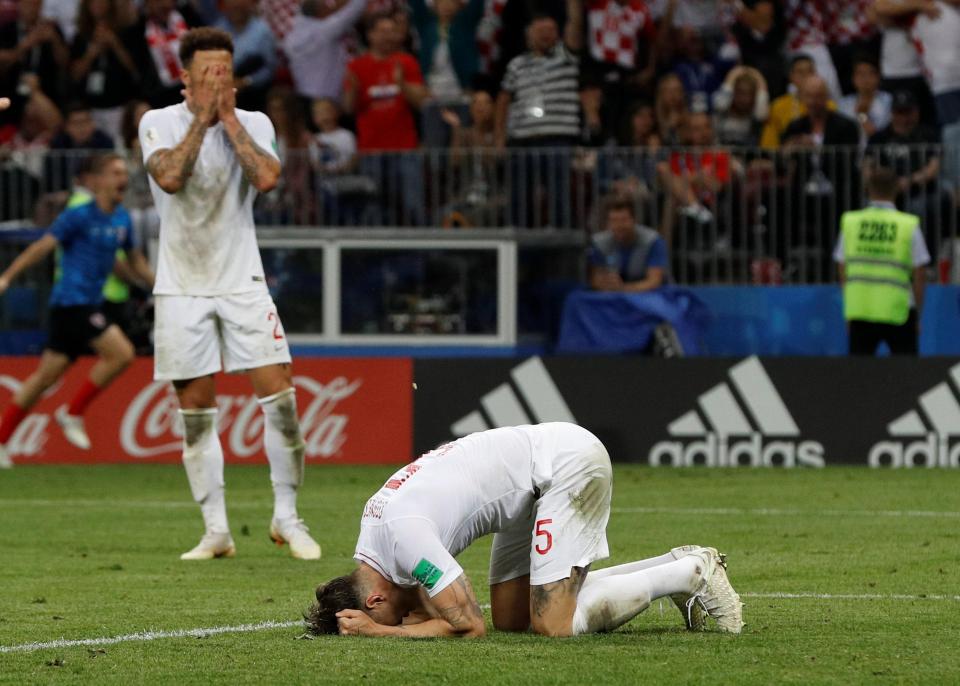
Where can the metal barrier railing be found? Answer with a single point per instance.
(729, 215)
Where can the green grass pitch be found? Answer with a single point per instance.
(93, 552)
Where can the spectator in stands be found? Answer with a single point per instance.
(489, 32)
(156, 49)
(824, 147)
(789, 106)
(808, 35)
(697, 177)
(910, 149)
(538, 109)
(626, 257)
(316, 46)
(621, 56)
(670, 108)
(869, 106)
(102, 68)
(293, 200)
(759, 28)
(935, 28)
(477, 167)
(280, 16)
(631, 171)
(383, 89)
(79, 133)
(333, 154)
(32, 45)
(517, 16)
(900, 64)
(448, 58)
(23, 149)
(254, 52)
(742, 106)
(137, 199)
(700, 73)
(851, 34)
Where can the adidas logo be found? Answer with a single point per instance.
(532, 397)
(931, 445)
(771, 439)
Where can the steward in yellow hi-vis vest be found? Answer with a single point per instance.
(881, 254)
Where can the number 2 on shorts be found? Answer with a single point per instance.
(277, 333)
(541, 531)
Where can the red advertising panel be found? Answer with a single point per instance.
(352, 411)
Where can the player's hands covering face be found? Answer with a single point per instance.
(203, 95)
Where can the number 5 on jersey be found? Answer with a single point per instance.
(541, 531)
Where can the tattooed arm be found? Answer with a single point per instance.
(260, 168)
(459, 616)
(172, 167)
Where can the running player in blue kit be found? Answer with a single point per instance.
(89, 236)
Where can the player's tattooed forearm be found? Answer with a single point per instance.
(253, 159)
(177, 163)
(465, 611)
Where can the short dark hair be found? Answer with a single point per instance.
(332, 597)
(864, 57)
(75, 106)
(375, 19)
(883, 184)
(98, 163)
(203, 38)
(620, 203)
(797, 59)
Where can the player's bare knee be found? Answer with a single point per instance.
(552, 628)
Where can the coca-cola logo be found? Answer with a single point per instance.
(151, 425)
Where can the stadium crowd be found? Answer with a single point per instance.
(385, 109)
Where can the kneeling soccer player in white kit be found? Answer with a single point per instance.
(207, 160)
(544, 492)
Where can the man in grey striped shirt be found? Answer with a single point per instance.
(539, 107)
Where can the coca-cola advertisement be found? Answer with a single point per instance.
(352, 411)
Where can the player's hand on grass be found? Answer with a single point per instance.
(356, 623)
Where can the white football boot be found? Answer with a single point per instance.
(693, 615)
(294, 532)
(5, 461)
(714, 594)
(72, 428)
(210, 546)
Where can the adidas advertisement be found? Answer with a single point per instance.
(782, 413)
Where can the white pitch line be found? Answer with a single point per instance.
(266, 626)
(784, 512)
(149, 636)
(114, 504)
(848, 596)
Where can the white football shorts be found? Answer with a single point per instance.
(568, 527)
(199, 335)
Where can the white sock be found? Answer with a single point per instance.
(611, 600)
(285, 450)
(629, 567)
(203, 461)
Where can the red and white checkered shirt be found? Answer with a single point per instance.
(805, 23)
(279, 15)
(488, 34)
(846, 21)
(617, 31)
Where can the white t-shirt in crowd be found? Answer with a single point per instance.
(898, 54)
(334, 149)
(939, 47)
(432, 509)
(208, 242)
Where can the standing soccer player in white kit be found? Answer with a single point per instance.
(207, 160)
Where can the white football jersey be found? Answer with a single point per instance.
(428, 512)
(208, 243)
